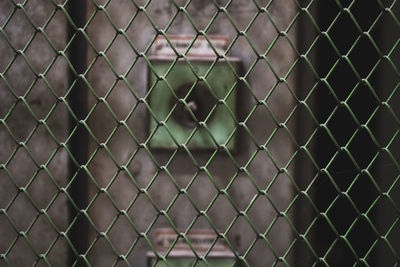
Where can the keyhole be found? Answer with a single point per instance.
(200, 102)
(193, 108)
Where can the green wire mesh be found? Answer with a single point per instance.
(258, 190)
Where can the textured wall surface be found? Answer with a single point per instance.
(26, 98)
(133, 187)
(34, 167)
(182, 170)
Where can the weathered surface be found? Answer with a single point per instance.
(162, 190)
(20, 164)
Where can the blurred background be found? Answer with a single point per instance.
(306, 174)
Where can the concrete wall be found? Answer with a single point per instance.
(144, 172)
(40, 190)
(20, 164)
(26, 189)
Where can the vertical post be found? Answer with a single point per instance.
(78, 144)
(304, 172)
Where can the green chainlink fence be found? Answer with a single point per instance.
(50, 185)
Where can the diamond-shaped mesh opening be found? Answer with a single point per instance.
(199, 133)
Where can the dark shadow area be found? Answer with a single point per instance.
(79, 141)
(345, 102)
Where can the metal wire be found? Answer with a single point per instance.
(242, 79)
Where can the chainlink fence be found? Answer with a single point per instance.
(199, 133)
